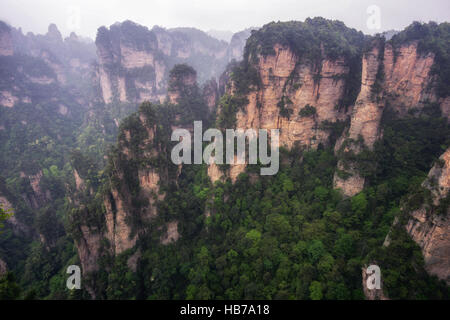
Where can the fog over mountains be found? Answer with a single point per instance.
(364, 161)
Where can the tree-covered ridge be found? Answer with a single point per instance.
(288, 236)
(291, 236)
(190, 104)
(129, 33)
(200, 36)
(168, 46)
(179, 74)
(309, 40)
(37, 135)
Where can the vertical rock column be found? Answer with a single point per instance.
(364, 126)
(429, 227)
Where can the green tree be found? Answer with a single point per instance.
(9, 290)
(315, 291)
(4, 214)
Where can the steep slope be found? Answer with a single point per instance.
(364, 126)
(134, 62)
(143, 227)
(399, 76)
(138, 177)
(237, 44)
(6, 45)
(45, 91)
(429, 225)
(301, 90)
(40, 107)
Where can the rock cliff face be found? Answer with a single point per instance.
(210, 93)
(3, 267)
(180, 81)
(88, 247)
(134, 62)
(139, 173)
(16, 221)
(394, 78)
(407, 77)
(289, 82)
(122, 216)
(365, 123)
(430, 228)
(237, 44)
(130, 68)
(43, 82)
(34, 65)
(319, 86)
(6, 45)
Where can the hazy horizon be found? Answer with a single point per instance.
(85, 17)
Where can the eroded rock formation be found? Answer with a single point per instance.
(6, 45)
(134, 61)
(288, 82)
(396, 78)
(3, 267)
(430, 227)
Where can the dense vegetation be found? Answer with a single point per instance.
(4, 214)
(36, 172)
(288, 236)
(306, 39)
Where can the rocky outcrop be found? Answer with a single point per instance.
(132, 261)
(69, 58)
(18, 226)
(6, 44)
(134, 62)
(367, 113)
(397, 78)
(407, 77)
(290, 83)
(131, 200)
(237, 44)
(7, 99)
(171, 234)
(365, 124)
(88, 247)
(438, 181)
(181, 80)
(131, 203)
(79, 182)
(210, 94)
(119, 232)
(124, 220)
(39, 196)
(130, 68)
(35, 181)
(429, 228)
(3, 267)
(42, 68)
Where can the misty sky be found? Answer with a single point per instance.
(85, 16)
